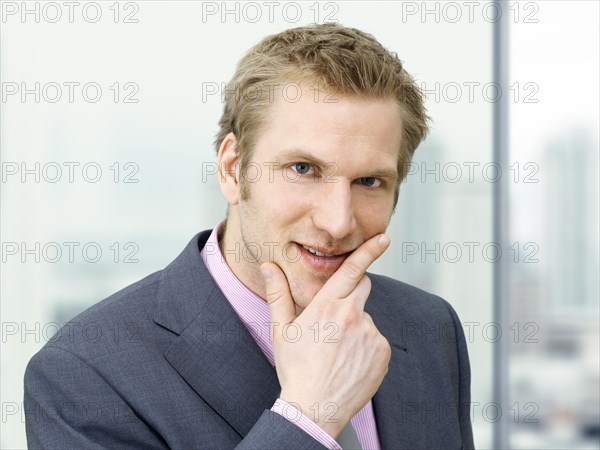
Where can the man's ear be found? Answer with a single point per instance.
(228, 169)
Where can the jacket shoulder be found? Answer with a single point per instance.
(410, 301)
(111, 325)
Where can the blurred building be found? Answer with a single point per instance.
(554, 307)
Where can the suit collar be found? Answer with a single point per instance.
(213, 344)
(185, 286)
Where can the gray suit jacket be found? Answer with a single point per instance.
(167, 363)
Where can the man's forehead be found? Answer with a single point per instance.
(309, 107)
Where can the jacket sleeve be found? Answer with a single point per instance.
(68, 405)
(273, 431)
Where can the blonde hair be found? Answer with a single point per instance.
(335, 58)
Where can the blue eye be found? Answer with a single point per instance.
(301, 168)
(369, 181)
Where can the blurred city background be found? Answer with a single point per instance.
(106, 182)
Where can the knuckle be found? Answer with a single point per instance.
(386, 344)
(375, 334)
(351, 318)
(352, 270)
(370, 330)
(328, 310)
(274, 295)
(386, 348)
(374, 254)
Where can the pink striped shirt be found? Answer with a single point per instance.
(254, 313)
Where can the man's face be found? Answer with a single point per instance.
(322, 176)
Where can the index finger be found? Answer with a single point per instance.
(345, 279)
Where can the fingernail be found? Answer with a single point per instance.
(383, 240)
(267, 273)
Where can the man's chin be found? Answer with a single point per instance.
(302, 301)
(299, 310)
(304, 288)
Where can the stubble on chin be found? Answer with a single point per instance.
(302, 295)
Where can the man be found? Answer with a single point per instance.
(265, 332)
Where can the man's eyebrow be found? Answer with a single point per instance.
(384, 173)
(301, 155)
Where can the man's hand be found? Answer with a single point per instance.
(332, 359)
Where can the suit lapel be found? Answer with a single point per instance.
(214, 352)
(396, 401)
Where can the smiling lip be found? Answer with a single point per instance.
(323, 264)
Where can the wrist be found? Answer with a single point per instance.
(324, 414)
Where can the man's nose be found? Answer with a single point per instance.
(333, 211)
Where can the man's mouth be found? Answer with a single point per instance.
(322, 261)
(315, 252)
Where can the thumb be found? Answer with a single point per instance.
(281, 304)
